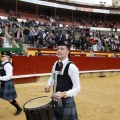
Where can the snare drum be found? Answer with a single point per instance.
(40, 108)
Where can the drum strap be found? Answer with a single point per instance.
(59, 101)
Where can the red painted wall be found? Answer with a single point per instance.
(43, 64)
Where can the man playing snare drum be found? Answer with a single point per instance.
(65, 76)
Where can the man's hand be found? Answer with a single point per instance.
(59, 95)
(47, 89)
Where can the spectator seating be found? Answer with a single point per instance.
(25, 15)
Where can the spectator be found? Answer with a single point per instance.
(39, 53)
(11, 13)
(18, 35)
(40, 41)
(91, 54)
(2, 30)
(115, 28)
(117, 49)
(32, 35)
(57, 39)
(83, 40)
(16, 53)
(112, 27)
(14, 29)
(95, 47)
(24, 53)
(113, 55)
(77, 43)
(100, 22)
(26, 34)
(50, 43)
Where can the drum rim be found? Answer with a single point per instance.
(40, 107)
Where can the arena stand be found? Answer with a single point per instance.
(31, 12)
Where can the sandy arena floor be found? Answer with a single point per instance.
(99, 98)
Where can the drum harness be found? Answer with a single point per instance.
(57, 102)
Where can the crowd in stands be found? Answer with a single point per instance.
(112, 25)
(47, 34)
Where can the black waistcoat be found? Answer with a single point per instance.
(64, 82)
(2, 71)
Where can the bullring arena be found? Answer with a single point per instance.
(92, 27)
(98, 99)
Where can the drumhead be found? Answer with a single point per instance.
(37, 102)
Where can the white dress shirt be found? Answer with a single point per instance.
(9, 71)
(73, 72)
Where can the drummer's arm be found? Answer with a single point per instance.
(50, 81)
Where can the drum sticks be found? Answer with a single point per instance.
(40, 91)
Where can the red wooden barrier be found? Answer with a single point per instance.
(118, 55)
(43, 64)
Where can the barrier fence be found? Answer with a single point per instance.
(24, 65)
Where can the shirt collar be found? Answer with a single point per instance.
(64, 61)
(4, 61)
